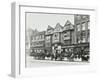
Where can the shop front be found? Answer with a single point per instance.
(38, 52)
(81, 51)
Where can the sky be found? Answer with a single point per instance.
(40, 21)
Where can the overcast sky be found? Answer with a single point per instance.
(41, 21)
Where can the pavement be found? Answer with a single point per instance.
(31, 62)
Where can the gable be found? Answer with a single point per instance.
(58, 28)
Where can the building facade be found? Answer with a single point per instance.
(57, 38)
(82, 24)
(71, 38)
(48, 39)
(68, 36)
(38, 41)
(82, 34)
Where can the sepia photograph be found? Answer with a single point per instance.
(56, 37)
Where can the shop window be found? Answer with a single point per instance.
(78, 37)
(56, 37)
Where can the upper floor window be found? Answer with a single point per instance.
(84, 17)
(83, 26)
(83, 33)
(34, 38)
(78, 27)
(78, 17)
(66, 35)
(47, 38)
(83, 39)
(78, 40)
(42, 36)
(83, 36)
(88, 25)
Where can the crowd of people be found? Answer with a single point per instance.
(77, 54)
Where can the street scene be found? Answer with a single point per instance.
(57, 38)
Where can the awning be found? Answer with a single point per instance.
(82, 45)
(38, 48)
(68, 46)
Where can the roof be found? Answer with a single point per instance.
(68, 25)
(49, 27)
(58, 28)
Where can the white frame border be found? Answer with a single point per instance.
(18, 69)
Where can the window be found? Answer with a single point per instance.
(78, 17)
(48, 38)
(36, 37)
(56, 37)
(88, 25)
(42, 36)
(83, 36)
(83, 39)
(88, 39)
(78, 27)
(58, 29)
(83, 33)
(83, 26)
(88, 36)
(84, 17)
(67, 42)
(66, 36)
(79, 39)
